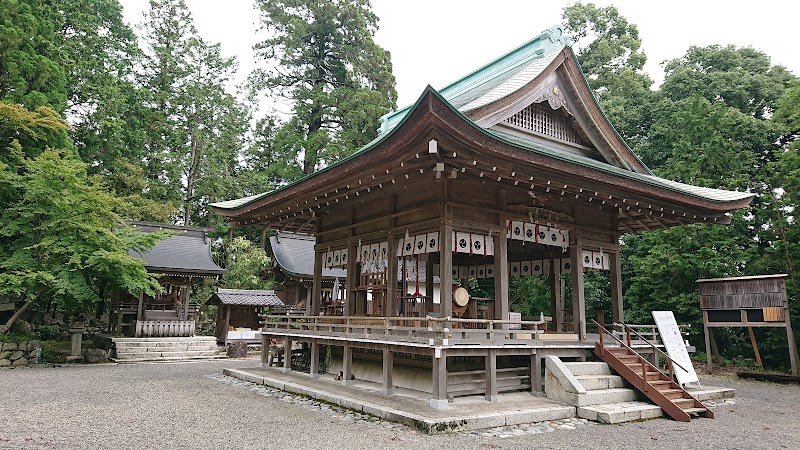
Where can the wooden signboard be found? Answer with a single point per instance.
(675, 347)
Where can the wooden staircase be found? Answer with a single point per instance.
(654, 384)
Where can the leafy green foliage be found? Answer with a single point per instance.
(246, 265)
(338, 81)
(58, 238)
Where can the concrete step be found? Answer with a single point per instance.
(161, 355)
(605, 396)
(620, 412)
(588, 368)
(166, 359)
(596, 382)
(163, 340)
(138, 350)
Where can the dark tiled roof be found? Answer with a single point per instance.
(246, 297)
(294, 253)
(188, 252)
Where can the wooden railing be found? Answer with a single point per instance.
(627, 342)
(165, 328)
(426, 331)
(646, 333)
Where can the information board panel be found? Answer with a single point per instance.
(675, 346)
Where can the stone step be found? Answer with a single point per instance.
(166, 359)
(620, 412)
(142, 350)
(588, 368)
(605, 396)
(164, 340)
(161, 355)
(595, 382)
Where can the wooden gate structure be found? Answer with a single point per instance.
(747, 302)
(512, 170)
(182, 260)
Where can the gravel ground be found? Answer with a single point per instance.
(190, 405)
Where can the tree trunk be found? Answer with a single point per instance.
(4, 329)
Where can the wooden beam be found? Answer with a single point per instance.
(755, 347)
(501, 275)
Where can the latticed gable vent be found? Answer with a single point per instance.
(542, 119)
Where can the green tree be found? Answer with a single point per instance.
(247, 266)
(61, 240)
(194, 128)
(31, 59)
(608, 49)
(743, 78)
(326, 64)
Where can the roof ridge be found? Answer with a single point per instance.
(548, 41)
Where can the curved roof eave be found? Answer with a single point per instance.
(731, 199)
(234, 204)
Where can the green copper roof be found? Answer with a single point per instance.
(498, 78)
(715, 195)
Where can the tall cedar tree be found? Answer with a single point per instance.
(194, 128)
(325, 62)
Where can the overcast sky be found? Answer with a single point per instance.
(438, 41)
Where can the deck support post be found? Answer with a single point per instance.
(287, 354)
(265, 341)
(388, 368)
(439, 397)
(491, 375)
(536, 373)
(347, 364)
(313, 371)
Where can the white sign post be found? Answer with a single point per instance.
(675, 347)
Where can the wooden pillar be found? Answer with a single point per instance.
(446, 268)
(316, 294)
(429, 286)
(392, 306)
(388, 368)
(501, 302)
(793, 358)
(313, 371)
(140, 309)
(227, 321)
(265, 342)
(347, 364)
(287, 354)
(706, 331)
(617, 312)
(352, 278)
(536, 372)
(439, 392)
(491, 374)
(556, 295)
(186, 302)
(578, 299)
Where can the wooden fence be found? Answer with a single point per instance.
(426, 331)
(165, 328)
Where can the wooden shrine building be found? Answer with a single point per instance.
(293, 272)
(239, 313)
(182, 260)
(512, 168)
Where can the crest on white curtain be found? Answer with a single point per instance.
(433, 242)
